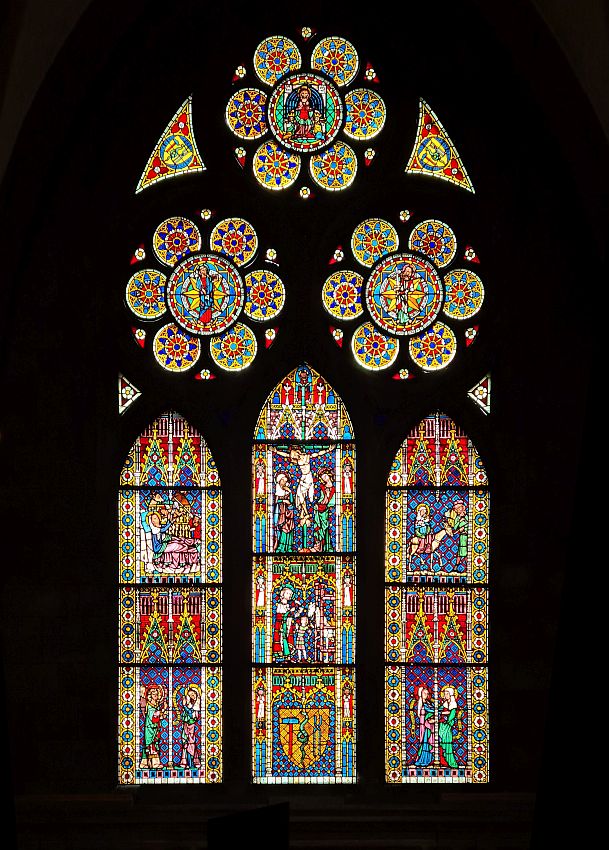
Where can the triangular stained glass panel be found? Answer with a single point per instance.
(127, 393)
(481, 394)
(176, 151)
(434, 153)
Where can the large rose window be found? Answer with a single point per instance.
(304, 112)
(412, 295)
(205, 294)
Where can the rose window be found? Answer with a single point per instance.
(204, 293)
(303, 113)
(408, 295)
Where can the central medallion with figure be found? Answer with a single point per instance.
(404, 294)
(305, 112)
(205, 294)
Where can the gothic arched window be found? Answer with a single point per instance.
(436, 559)
(303, 467)
(170, 542)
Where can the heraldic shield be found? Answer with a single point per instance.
(304, 733)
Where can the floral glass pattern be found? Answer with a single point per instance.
(404, 293)
(304, 112)
(205, 293)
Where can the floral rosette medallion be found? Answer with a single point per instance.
(404, 294)
(204, 294)
(304, 112)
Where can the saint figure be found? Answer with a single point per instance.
(321, 516)
(448, 719)
(284, 514)
(191, 712)
(426, 723)
(154, 708)
(283, 627)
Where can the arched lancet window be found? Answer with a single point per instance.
(303, 467)
(170, 608)
(436, 608)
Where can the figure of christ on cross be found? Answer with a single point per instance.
(306, 485)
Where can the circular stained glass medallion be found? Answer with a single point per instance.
(334, 168)
(236, 239)
(404, 294)
(342, 295)
(174, 238)
(176, 151)
(264, 295)
(275, 168)
(433, 153)
(234, 349)
(275, 56)
(175, 349)
(146, 293)
(365, 114)
(336, 57)
(245, 113)
(373, 349)
(305, 112)
(434, 239)
(434, 348)
(372, 239)
(205, 294)
(464, 294)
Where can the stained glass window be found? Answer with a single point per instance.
(436, 600)
(204, 302)
(303, 584)
(203, 291)
(434, 154)
(405, 293)
(170, 622)
(175, 152)
(304, 112)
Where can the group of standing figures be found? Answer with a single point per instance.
(304, 629)
(445, 727)
(298, 507)
(154, 708)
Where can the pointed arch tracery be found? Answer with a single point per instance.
(170, 643)
(303, 583)
(436, 559)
